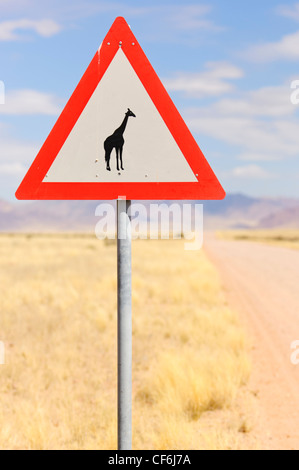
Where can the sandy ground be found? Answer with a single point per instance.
(262, 284)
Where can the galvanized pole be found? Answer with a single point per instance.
(124, 327)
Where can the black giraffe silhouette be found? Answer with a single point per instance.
(117, 141)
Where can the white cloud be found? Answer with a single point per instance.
(175, 23)
(260, 124)
(277, 138)
(267, 101)
(256, 157)
(250, 172)
(21, 102)
(12, 169)
(16, 151)
(211, 82)
(186, 17)
(9, 30)
(15, 156)
(291, 12)
(2, 92)
(285, 49)
(247, 172)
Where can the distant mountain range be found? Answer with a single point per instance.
(235, 211)
(240, 211)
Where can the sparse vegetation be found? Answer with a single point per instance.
(288, 238)
(58, 323)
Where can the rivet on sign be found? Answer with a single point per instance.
(97, 176)
(108, 43)
(120, 43)
(96, 160)
(133, 43)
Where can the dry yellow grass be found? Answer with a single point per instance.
(288, 238)
(58, 323)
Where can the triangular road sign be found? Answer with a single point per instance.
(120, 135)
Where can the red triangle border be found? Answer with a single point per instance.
(33, 187)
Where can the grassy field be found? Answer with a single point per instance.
(288, 238)
(58, 323)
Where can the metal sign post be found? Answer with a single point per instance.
(124, 325)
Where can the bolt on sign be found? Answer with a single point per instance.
(120, 133)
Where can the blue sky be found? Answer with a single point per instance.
(228, 67)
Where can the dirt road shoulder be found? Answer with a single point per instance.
(261, 283)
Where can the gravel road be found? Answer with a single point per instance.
(262, 284)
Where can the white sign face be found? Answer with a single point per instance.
(120, 117)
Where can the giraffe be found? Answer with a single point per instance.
(116, 141)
